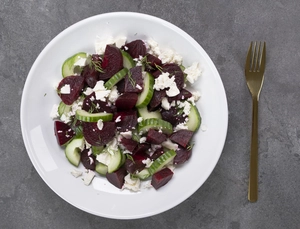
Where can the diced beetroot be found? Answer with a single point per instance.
(97, 137)
(126, 101)
(173, 69)
(161, 178)
(172, 116)
(183, 95)
(155, 137)
(125, 120)
(76, 84)
(117, 178)
(157, 153)
(138, 160)
(112, 62)
(90, 75)
(136, 48)
(134, 80)
(130, 166)
(129, 144)
(121, 86)
(92, 105)
(88, 159)
(156, 99)
(182, 155)
(141, 149)
(63, 132)
(182, 137)
(152, 62)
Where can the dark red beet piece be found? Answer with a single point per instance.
(92, 105)
(88, 159)
(136, 48)
(141, 148)
(121, 86)
(117, 178)
(125, 120)
(172, 116)
(129, 144)
(76, 84)
(130, 166)
(182, 155)
(138, 160)
(112, 62)
(157, 153)
(161, 178)
(156, 99)
(63, 132)
(183, 95)
(155, 137)
(126, 101)
(182, 137)
(90, 75)
(97, 137)
(134, 80)
(152, 62)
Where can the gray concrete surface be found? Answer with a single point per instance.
(224, 29)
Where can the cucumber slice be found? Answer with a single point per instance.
(155, 123)
(63, 109)
(146, 95)
(145, 114)
(73, 150)
(68, 65)
(101, 168)
(161, 161)
(127, 60)
(96, 150)
(93, 117)
(116, 78)
(115, 161)
(194, 119)
(144, 174)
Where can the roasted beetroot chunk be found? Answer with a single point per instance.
(161, 178)
(126, 101)
(157, 153)
(129, 144)
(182, 137)
(183, 95)
(92, 105)
(88, 159)
(152, 62)
(112, 62)
(182, 155)
(132, 166)
(134, 80)
(90, 75)
(172, 116)
(117, 178)
(155, 137)
(141, 148)
(156, 99)
(97, 137)
(63, 132)
(76, 84)
(125, 120)
(136, 48)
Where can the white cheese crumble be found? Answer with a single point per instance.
(140, 119)
(81, 62)
(193, 72)
(120, 41)
(164, 81)
(88, 91)
(101, 92)
(66, 89)
(181, 126)
(88, 177)
(118, 119)
(76, 173)
(165, 104)
(127, 134)
(143, 140)
(131, 183)
(113, 95)
(148, 162)
(186, 107)
(104, 158)
(170, 145)
(54, 112)
(100, 43)
(100, 124)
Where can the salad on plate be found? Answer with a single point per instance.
(127, 112)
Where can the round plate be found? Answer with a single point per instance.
(101, 198)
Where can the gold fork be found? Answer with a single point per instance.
(254, 72)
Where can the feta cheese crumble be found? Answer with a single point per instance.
(66, 89)
(193, 72)
(131, 183)
(164, 81)
(100, 90)
(100, 124)
(88, 177)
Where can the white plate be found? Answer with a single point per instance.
(48, 158)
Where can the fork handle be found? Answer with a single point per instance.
(253, 174)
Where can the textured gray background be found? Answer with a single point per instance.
(224, 29)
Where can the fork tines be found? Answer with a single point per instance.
(256, 57)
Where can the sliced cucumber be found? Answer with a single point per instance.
(68, 65)
(73, 150)
(144, 174)
(155, 123)
(194, 119)
(115, 161)
(161, 161)
(116, 78)
(127, 60)
(146, 95)
(85, 116)
(145, 114)
(101, 168)
(96, 150)
(63, 109)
